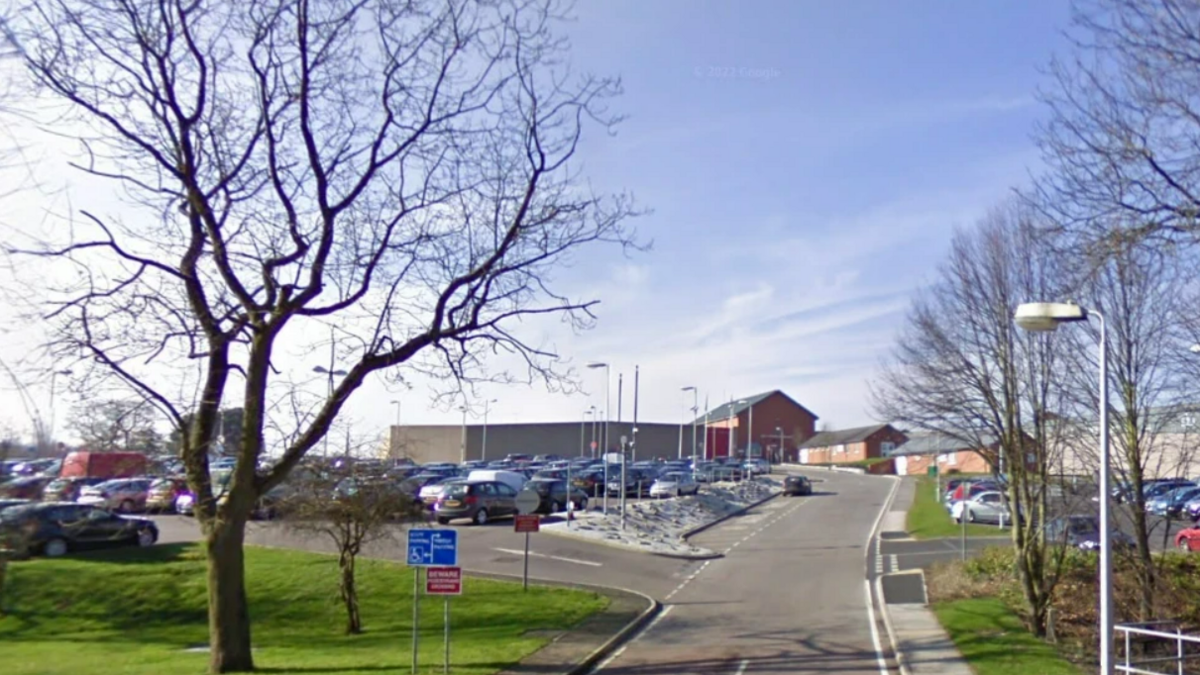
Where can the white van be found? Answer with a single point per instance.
(510, 478)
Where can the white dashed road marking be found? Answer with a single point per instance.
(575, 561)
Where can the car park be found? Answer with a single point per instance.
(637, 481)
(127, 495)
(590, 481)
(553, 495)
(513, 479)
(1188, 539)
(794, 485)
(1082, 532)
(429, 493)
(1172, 502)
(477, 500)
(28, 487)
(985, 507)
(674, 484)
(757, 465)
(163, 492)
(68, 489)
(57, 528)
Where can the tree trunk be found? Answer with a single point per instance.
(228, 613)
(349, 593)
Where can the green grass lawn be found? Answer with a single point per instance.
(994, 641)
(137, 610)
(928, 518)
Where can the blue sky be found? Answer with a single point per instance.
(806, 163)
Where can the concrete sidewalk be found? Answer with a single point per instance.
(921, 644)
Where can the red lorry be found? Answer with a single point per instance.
(103, 465)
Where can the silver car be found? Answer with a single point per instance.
(124, 495)
(674, 484)
(985, 507)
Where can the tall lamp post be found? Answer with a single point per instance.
(487, 407)
(749, 429)
(583, 432)
(330, 372)
(53, 392)
(1046, 317)
(607, 380)
(396, 435)
(462, 450)
(695, 412)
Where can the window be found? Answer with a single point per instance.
(1188, 421)
(887, 447)
(840, 448)
(948, 458)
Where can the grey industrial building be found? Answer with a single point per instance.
(445, 443)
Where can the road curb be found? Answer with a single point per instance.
(901, 659)
(633, 549)
(598, 654)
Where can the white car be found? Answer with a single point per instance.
(757, 465)
(674, 484)
(432, 492)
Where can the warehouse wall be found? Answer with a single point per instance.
(443, 443)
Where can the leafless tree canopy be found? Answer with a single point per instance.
(962, 368)
(400, 171)
(1123, 136)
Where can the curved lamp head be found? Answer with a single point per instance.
(1046, 316)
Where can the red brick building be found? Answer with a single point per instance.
(846, 446)
(769, 425)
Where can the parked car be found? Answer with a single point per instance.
(1083, 533)
(1188, 539)
(1157, 489)
(726, 472)
(9, 503)
(29, 487)
(478, 500)
(590, 481)
(757, 465)
(67, 489)
(163, 492)
(126, 495)
(985, 507)
(554, 496)
(674, 484)
(512, 479)
(637, 482)
(429, 493)
(797, 485)
(57, 528)
(1172, 502)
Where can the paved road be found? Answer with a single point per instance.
(788, 597)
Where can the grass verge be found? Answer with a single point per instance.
(994, 640)
(928, 519)
(137, 610)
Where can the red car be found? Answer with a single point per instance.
(1188, 540)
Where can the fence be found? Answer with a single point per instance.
(1157, 648)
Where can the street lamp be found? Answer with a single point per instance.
(607, 380)
(749, 430)
(397, 404)
(1046, 317)
(330, 372)
(695, 412)
(583, 432)
(54, 374)
(463, 447)
(487, 406)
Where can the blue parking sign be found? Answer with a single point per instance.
(432, 548)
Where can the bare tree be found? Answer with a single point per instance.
(112, 425)
(963, 369)
(1141, 294)
(401, 171)
(350, 510)
(1123, 140)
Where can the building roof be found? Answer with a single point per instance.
(742, 404)
(931, 443)
(825, 439)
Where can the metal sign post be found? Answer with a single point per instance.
(624, 485)
(444, 581)
(526, 521)
(427, 548)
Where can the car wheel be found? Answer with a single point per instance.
(126, 506)
(481, 517)
(54, 548)
(970, 516)
(146, 538)
(1183, 544)
(443, 521)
